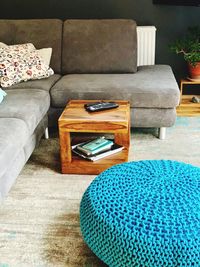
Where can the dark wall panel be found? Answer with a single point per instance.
(170, 21)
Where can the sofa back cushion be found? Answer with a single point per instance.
(99, 46)
(41, 32)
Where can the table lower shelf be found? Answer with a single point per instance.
(188, 108)
(81, 166)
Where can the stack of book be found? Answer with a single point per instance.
(96, 149)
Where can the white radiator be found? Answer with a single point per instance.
(146, 44)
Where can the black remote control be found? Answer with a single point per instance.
(98, 106)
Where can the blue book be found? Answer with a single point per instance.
(95, 146)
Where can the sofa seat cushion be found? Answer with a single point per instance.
(150, 87)
(43, 84)
(28, 105)
(13, 136)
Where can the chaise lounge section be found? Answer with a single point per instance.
(152, 100)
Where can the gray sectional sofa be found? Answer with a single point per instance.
(92, 59)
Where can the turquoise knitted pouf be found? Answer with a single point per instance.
(144, 213)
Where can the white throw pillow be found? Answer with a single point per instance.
(45, 54)
(2, 45)
(20, 64)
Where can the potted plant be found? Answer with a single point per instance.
(189, 46)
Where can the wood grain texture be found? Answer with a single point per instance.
(75, 119)
(65, 147)
(81, 166)
(188, 108)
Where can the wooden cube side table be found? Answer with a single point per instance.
(75, 119)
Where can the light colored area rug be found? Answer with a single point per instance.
(39, 220)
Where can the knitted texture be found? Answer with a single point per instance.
(144, 213)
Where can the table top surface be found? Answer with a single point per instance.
(75, 112)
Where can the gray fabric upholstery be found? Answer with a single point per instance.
(99, 46)
(150, 87)
(41, 32)
(153, 117)
(34, 139)
(13, 170)
(43, 84)
(15, 164)
(13, 136)
(28, 105)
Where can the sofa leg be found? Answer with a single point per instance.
(46, 133)
(162, 133)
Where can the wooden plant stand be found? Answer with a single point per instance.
(75, 119)
(186, 107)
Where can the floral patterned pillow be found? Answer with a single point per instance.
(20, 48)
(21, 63)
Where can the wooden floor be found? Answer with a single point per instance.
(187, 108)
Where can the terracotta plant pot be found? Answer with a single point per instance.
(194, 71)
